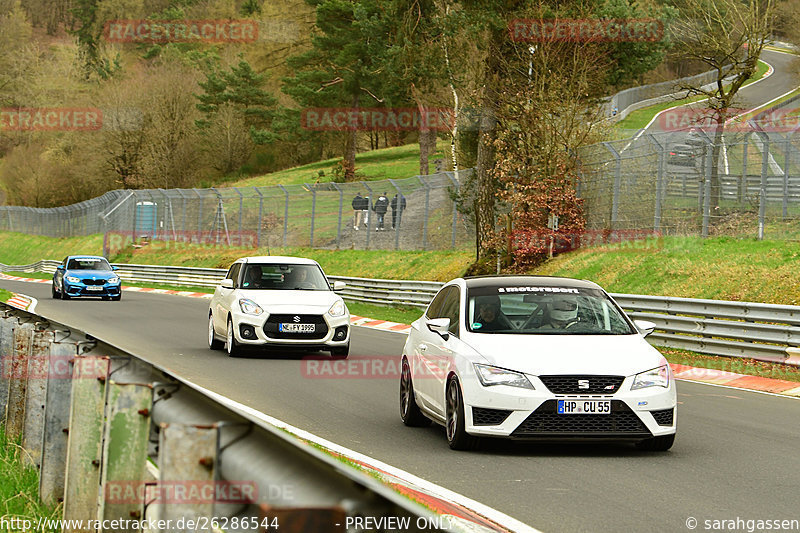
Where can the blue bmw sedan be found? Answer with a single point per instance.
(86, 275)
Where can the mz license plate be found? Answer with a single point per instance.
(296, 328)
(584, 407)
(94, 288)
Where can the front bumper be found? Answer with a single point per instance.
(75, 290)
(255, 330)
(513, 412)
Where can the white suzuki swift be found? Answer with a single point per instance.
(527, 357)
(278, 301)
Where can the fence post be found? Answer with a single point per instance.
(743, 185)
(762, 195)
(260, 216)
(199, 216)
(35, 396)
(339, 224)
(285, 213)
(369, 208)
(56, 423)
(661, 152)
(427, 206)
(787, 162)
(241, 206)
(187, 455)
(617, 182)
(17, 384)
(708, 169)
(398, 213)
(125, 436)
(313, 210)
(84, 444)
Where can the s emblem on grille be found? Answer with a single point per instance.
(583, 383)
(296, 318)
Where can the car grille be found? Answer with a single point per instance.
(489, 417)
(545, 421)
(571, 384)
(93, 281)
(271, 326)
(663, 417)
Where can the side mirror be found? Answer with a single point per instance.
(114, 268)
(440, 326)
(226, 283)
(645, 327)
(60, 267)
(339, 285)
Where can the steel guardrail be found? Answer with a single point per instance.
(115, 436)
(766, 332)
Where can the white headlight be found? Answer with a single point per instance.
(337, 309)
(73, 279)
(113, 280)
(491, 375)
(657, 377)
(249, 307)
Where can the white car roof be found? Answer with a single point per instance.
(277, 259)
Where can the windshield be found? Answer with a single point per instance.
(544, 311)
(88, 264)
(284, 277)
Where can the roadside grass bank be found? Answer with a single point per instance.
(719, 268)
(23, 249)
(398, 162)
(5, 295)
(19, 486)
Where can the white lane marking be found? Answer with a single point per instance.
(440, 492)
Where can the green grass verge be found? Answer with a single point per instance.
(387, 163)
(23, 249)
(436, 265)
(719, 268)
(5, 295)
(19, 486)
(641, 117)
(403, 315)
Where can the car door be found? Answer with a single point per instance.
(436, 358)
(422, 338)
(224, 299)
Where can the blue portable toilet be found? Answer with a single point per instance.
(146, 219)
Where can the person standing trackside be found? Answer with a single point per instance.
(398, 205)
(360, 206)
(380, 208)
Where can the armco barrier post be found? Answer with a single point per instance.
(6, 344)
(187, 454)
(35, 396)
(17, 385)
(125, 435)
(56, 425)
(84, 445)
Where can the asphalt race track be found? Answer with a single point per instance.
(736, 454)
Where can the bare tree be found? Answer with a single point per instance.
(728, 36)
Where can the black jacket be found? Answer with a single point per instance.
(402, 203)
(360, 203)
(381, 205)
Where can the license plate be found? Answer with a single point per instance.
(584, 407)
(94, 288)
(296, 328)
